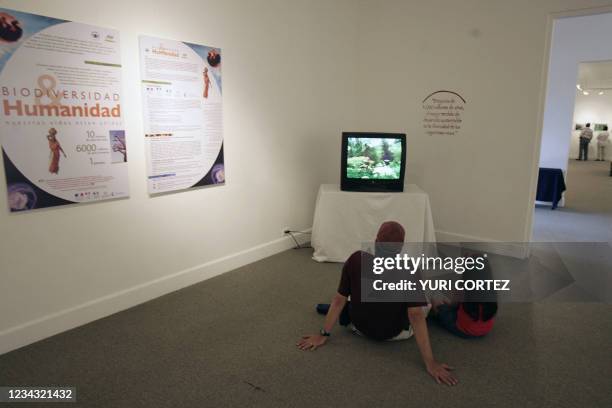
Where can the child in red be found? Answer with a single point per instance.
(466, 319)
(473, 313)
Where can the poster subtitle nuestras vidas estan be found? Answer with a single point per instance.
(183, 114)
(62, 133)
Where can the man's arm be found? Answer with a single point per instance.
(312, 341)
(440, 372)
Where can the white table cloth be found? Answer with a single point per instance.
(345, 220)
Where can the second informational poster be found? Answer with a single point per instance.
(61, 125)
(181, 88)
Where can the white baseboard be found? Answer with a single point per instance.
(57, 322)
(513, 249)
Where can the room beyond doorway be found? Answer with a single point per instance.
(586, 210)
(586, 214)
(578, 91)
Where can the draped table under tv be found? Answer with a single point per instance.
(345, 220)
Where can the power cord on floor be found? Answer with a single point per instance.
(297, 244)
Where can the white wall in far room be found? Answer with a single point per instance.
(287, 95)
(594, 109)
(575, 40)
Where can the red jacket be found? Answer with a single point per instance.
(472, 327)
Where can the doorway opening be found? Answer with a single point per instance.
(579, 92)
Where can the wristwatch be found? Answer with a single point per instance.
(322, 332)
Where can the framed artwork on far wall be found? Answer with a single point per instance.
(579, 126)
(600, 126)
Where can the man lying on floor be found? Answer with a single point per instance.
(377, 320)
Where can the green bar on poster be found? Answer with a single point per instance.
(106, 64)
(144, 81)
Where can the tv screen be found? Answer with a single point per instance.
(373, 161)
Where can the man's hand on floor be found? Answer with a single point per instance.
(441, 373)
(311, 342)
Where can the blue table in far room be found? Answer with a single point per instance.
(551, 185)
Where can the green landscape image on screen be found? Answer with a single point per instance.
(373, 158)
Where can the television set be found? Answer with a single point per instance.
(373, 162)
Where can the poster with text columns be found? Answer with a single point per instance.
(183, 114)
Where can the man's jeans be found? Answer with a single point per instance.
(584, 150)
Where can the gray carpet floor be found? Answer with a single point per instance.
(587, 215)
(230, 342)
(586, 218)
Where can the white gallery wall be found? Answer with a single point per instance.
(287, 94)
(481, 181)
(592, 109)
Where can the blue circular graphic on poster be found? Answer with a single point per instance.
(21, 197)
(217, 174)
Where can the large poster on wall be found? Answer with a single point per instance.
(181, 88)
(61, 128)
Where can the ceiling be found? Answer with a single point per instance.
(595, 74)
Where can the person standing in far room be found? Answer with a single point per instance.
(602, 142)
(585, 139)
